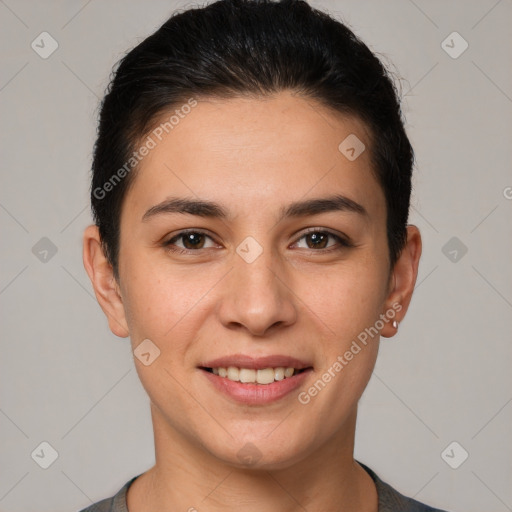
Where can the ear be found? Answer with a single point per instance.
(103, 281)
(402, 280)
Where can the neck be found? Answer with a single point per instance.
(186, 477)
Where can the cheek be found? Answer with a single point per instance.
(347, 298)
(163, 302)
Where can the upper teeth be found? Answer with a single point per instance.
(264, 376)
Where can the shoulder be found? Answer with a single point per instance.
(391, 500)
(116, 503)
(105, 505)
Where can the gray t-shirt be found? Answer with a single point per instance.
(389, 499)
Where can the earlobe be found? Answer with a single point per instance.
(103, 281)
(404, 277)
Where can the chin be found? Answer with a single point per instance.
(260, 453)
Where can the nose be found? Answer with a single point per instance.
(258, 298)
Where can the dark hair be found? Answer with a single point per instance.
(248, 47)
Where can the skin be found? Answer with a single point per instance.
(253, 156)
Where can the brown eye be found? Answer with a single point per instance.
(190, 241)
(318, 240)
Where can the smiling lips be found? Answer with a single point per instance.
(260, 370)
(249, 375)
(256, 380)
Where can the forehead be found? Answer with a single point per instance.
(253, 153)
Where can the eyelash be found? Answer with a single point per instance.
(343, 243)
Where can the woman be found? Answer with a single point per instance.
(251, 186)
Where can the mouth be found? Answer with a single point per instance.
(256, 381)
(263, 377)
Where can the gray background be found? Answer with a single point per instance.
(66, 380)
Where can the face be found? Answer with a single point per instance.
(282, 264)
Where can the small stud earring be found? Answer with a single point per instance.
(395, 324)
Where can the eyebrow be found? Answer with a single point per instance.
(210, 209)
